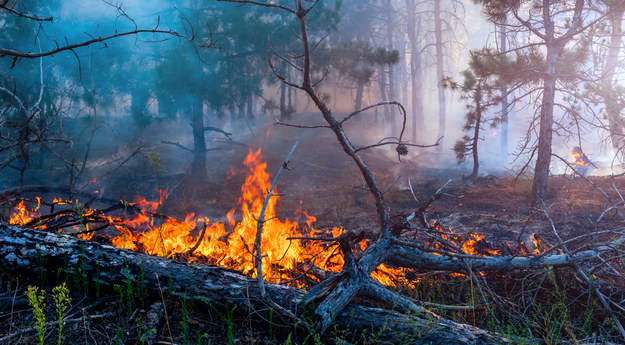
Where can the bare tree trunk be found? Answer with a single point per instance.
(198, 165)
(416, 74)
(382, 82)
(440, 65)
(283, 110)
(24, 152)
(359, 90)
(543, 158)
(610, 97)
(390, 27)
(504, 101)
(476, 132)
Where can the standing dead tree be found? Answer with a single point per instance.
(333, 294)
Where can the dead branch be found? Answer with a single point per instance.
(11, 9)
(69, 47)
(600, 295)
(261, 221)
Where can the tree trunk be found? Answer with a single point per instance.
(476, 132)
(359, 90)
(198, 165)
(25, 250)
(416, 74)
(440, 65)
(543, 158)
(283, 111)
(382, 82)
(613, 109)
(504, 102)
(391, 69)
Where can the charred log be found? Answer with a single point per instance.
(23, 250)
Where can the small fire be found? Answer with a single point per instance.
(21, 215)
(578, 156)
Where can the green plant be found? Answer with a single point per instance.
(35, 300)
(142, 336)
(230, 325)
(288, 340)
(185, 322)
(61, 300)
(119, 334)
(228, 319)
(141, 289)
(81, 274)
(271, 324)
(200, 337)
(128, 290)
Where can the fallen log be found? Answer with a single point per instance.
(25, 250)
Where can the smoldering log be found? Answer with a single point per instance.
(26, 250)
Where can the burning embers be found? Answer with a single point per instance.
(288, 245)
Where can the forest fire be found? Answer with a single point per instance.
(579, 157)
(231, 244)
(228, 245)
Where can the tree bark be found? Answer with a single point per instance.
(476, 132)
(543, 158)
(613, 109)
(198, 165)
(440, 65)
(504, 101)
(26, 250)
(390, 27)
(416, 74)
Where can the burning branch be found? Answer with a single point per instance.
(261, 221)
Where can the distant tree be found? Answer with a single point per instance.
(357, 61)
(448, 25)
(605, 88)
(414, 32)
(31, 93)
(553, 54)
(479, 90)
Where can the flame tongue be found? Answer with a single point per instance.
(232, 248)
(21, 215)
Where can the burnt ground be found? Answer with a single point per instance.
(325, 183)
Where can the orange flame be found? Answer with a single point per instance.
(21, 215)
(233, 245)
(578, 156)
(234, 248)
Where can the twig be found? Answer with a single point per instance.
(600, 296)
(261, 221)
(160, 292)
(17, 284)
(69, 47)
(199, 241)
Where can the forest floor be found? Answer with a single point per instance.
(323, 182)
